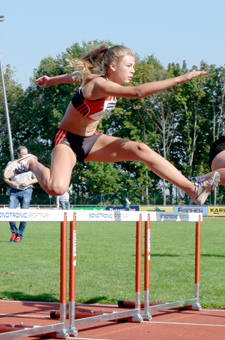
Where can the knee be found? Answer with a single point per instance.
(56, 189)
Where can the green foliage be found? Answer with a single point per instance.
(179, 123)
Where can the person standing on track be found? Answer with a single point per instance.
(77, 139)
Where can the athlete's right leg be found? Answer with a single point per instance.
(55, 180)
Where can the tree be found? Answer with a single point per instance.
(179, 123)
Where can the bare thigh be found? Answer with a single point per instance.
(219, 161)
(113, 149)
(63, 161)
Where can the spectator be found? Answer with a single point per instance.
(64, 199)
(127, 204)
(20, 193)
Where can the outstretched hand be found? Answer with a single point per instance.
(190, 75)
(43, 81)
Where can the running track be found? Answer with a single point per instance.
(207, 324)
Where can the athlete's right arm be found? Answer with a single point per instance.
(71, 78)
(46, 81)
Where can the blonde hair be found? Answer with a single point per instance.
(98, 60)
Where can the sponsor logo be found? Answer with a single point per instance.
(190, 210)
(13, 215)
(101, 215)
(173, 217)
(121, 214)
(74, 243)
(33, 214)
(149, 241)
(38, 214)
(217, 211)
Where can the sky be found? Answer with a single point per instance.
(175, 30)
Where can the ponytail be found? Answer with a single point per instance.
(98, 60)
(90, 63)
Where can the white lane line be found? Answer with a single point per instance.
(186, 323)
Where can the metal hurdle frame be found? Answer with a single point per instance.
(190, 303)
(30, 215)
(85, 215)
(73, 216)
(137, 216)
(175, 217)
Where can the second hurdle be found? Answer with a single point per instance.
(133, 314)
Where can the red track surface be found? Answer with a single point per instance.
(207, 324)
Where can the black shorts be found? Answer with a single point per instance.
(216, 147)
(81, 146)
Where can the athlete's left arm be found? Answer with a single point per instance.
(101, 88)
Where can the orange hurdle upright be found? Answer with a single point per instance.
(72, 274)
(197, 305)
(138, 263)
(146, 315)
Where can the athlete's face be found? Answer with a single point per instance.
(124, 70)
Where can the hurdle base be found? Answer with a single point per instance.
(182, 305)
(72, 331)
(137, 318)
(196, 306)
(191, 304)
(146, 316)
(11, 332)
(63, 334)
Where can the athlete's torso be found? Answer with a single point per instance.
(93, 109)
(82, 116)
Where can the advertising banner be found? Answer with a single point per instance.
(131, 208)
(11, 215)
(191, 209)
(88, 208)
(159, 208)
(216, 211)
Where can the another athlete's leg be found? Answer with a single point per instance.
(218, 164)
(55, 180)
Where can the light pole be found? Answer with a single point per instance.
(6, 105)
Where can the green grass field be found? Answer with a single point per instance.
(106, 262)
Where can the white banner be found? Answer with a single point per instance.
(42, 215)
(31, 215)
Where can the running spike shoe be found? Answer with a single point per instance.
(18, 166)
(203, 189)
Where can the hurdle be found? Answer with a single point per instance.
(57, 330)
(184, 304)
(60, 330)
(89, 317)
